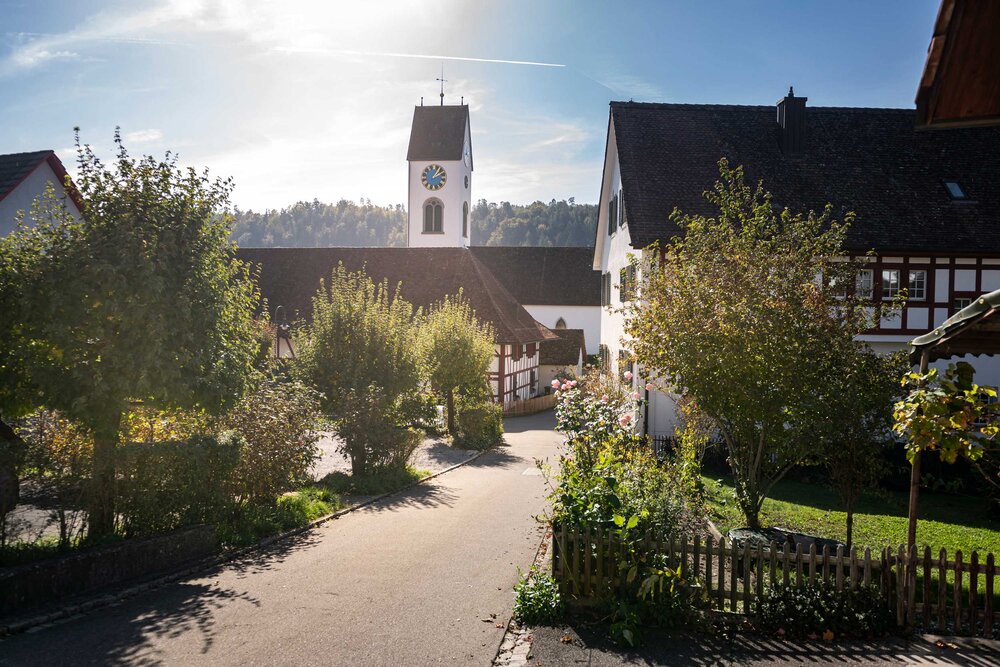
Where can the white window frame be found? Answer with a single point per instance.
(862, 291)
(912, 293)
(888, 294)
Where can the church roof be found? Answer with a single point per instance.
(545, 276)
(565, 351)
(290, 277)
(438, 133)
(869, 161)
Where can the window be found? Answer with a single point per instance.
(866, 280)
(961, 302)
(890, 284)
(613, 215)
(955, 190)
(466, 182)
(604, 356)
(433, 217)
(465, 220)
(626, 285)
(560, 323)
(606, 289)
(624, 361)
(917, 285)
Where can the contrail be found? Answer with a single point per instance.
(388, 54)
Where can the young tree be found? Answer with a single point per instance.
(735, 314)
(858, 422)
(456, 349)
(360, 352)
(140, 300)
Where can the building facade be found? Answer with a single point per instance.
(25, 177)
(926, 203)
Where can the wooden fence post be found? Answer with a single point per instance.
(988, 602)
(957, 591)
(942, 609)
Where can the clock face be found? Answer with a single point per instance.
(433, 177)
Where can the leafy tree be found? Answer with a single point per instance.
(940, 413)
(857, 424)
(734, 315)
(140, 300)
(456, 349)
(360, 352)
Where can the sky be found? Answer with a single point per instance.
(312, 99)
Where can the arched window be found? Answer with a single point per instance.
(465, 220)
(433, 216)
(560, 323)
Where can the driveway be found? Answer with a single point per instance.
(423, 577)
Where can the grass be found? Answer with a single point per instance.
(949, 521)
(376, 483)
(292, 510)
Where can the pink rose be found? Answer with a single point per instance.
(649, 386)
(572, 383)
(636, 395)
(625, 420)
(564, 386)
(555, 384)
(628, 376)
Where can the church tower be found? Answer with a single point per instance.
(440, 177)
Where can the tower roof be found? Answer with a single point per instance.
(438, 133)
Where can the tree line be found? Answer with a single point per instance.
(364, 224)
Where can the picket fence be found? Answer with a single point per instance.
(529, 406)
(919, 588)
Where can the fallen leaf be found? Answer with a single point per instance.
(828, 636)
(566, 639)
(499, 625)
(939, 644)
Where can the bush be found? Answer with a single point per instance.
(537, 600)
(480, 427)
(165, 485)
(816, 609)
(292, 510)
(278, 423)
(383, 480)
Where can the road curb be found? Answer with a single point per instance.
(515, 644)
(99, 601)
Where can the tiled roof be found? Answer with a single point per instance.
(15, 167)
(556, 276)
(290, 277)
(565, 351)
(869, 161)
(438, 133)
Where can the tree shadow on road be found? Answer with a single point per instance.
(590, 644)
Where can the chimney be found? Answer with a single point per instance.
(792, 121)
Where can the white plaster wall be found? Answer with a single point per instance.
(452, 195)
(25, 193)
(587, 318)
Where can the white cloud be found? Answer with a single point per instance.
(143, 136)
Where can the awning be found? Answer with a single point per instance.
(973, 330)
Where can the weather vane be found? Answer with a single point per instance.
(442, 80)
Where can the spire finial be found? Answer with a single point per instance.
(442, 80)
(791, 92)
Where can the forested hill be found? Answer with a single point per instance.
(346, 223)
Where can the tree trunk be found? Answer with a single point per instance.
(911, 531)
(450, 402)
(102, 497)
(850, 525)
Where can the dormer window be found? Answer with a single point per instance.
(955, 190)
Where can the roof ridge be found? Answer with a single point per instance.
(694, 105)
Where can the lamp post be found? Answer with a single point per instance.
(283, 347)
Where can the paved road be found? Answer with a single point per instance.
(407, 581)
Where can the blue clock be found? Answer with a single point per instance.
(433, 177)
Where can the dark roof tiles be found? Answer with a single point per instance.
(438, 133)
(869, 161)
(545, 276)
(290, 277)
(565, 351)
(15, 167)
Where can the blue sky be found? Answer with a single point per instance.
(313, 99)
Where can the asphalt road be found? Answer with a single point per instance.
(420, 578)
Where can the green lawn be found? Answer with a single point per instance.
(952, 522)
